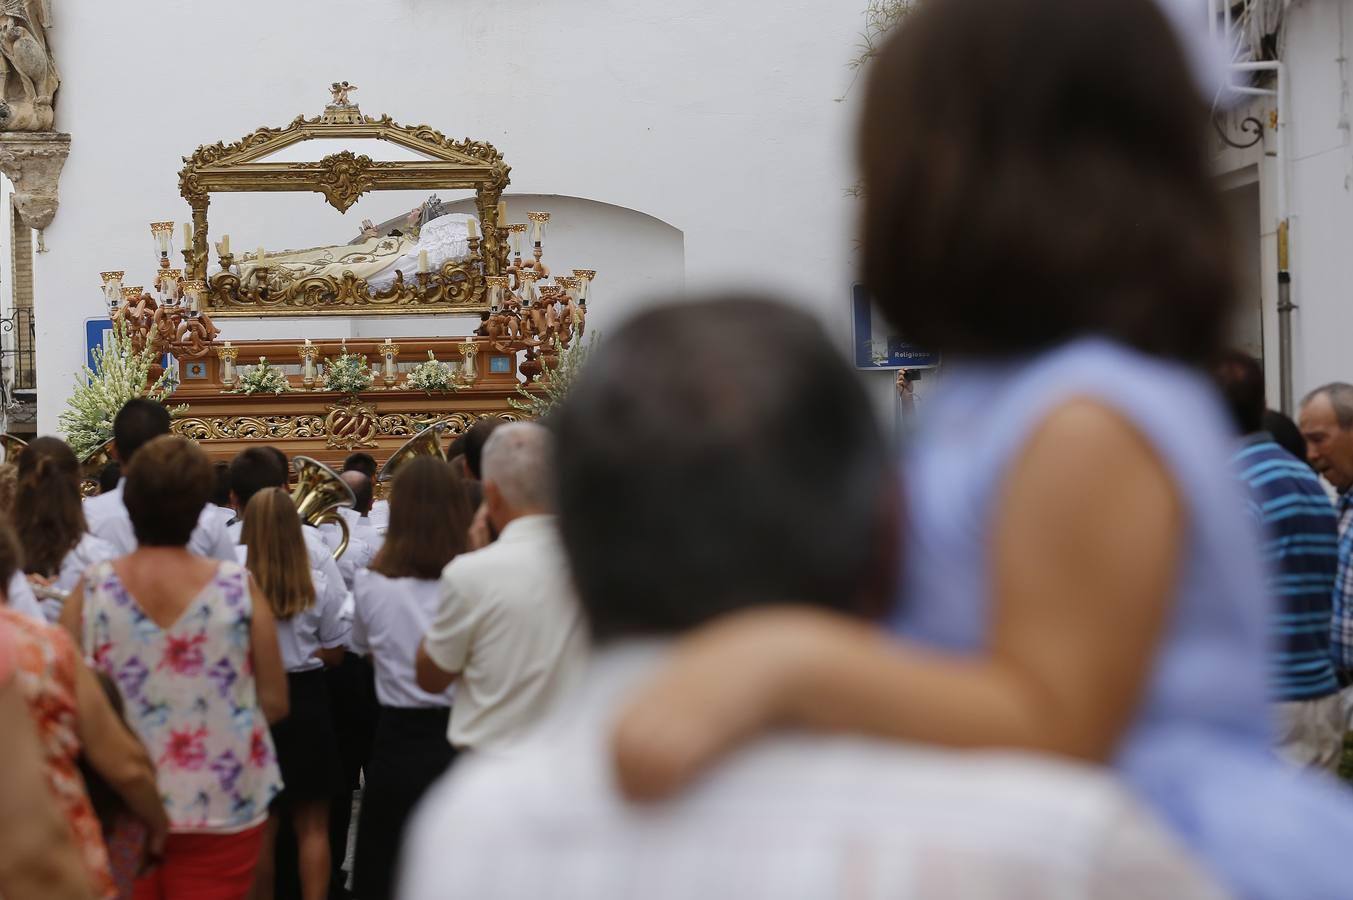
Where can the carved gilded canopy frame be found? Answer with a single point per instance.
(343, 177)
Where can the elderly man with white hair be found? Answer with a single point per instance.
(509, 633)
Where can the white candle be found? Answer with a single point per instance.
(502, 213)
(387, 341)
(307, 342)
(187, 235)
(471, 229)
(422, 262)
(260, 256)
(225, 245)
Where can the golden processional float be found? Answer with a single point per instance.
(434, 263)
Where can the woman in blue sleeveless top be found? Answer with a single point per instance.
(1081, 576)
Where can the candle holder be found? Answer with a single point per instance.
(163, 233)
(390, 352)
(308, 354)
(584, 276)
(517, 231)
(227, 261)
(193, 291)
(228, 356)
(168, 286)
(112, 290)
(469, 370)
(424, 279)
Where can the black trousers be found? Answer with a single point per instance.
(410, 753)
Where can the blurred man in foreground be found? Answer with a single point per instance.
(714, 458)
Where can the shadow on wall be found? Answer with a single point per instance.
(638, 258)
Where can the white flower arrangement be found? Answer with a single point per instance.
(432, 376)
(348, 374)
(263, 378)
(119, 374)
(553, 385)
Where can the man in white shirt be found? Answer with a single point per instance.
(138, 422)
(379, 511)
(509, 632)
(670, 522)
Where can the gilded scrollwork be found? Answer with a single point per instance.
(343, 177)
(235, 428)
(352, 425)
(362, 425)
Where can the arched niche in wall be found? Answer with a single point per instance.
(637, 257)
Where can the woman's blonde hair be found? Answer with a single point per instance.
(277, 554)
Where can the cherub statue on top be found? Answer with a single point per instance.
(340, 90)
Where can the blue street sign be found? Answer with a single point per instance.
(876, 347)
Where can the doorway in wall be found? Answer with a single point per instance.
(1242, 206)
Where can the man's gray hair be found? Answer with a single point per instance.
(1340, 394)
(519, 459)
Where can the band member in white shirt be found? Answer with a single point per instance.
(138, 422)
(395, 603)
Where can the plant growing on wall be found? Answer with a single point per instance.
(554, 384)
(119, 374)
(263, 379)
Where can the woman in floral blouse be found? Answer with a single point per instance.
(192, 645)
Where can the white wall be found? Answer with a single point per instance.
(719, 119)
(1320, 191)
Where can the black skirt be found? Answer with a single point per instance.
(307, 747)
(410, 752)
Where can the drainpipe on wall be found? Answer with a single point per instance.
(1285, 307)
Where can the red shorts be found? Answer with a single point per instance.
(204, 867)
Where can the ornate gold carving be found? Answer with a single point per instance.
(344, 177)
(272, 428)
(352, 425)
(263, 428)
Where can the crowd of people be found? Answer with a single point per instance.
(700, 633)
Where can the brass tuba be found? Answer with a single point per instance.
(427, 442)
(318, 496)
(12, 446)
(92, 465)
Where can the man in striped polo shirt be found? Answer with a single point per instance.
(1301, 549)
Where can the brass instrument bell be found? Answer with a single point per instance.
(92, 465)
(319, 494)
(427, 442)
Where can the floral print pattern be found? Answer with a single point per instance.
(190, 697)
(45, 672)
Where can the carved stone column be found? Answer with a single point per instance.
(33, 161)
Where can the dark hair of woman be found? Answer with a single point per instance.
(430, 515)
(167, 485)
(47, 514)
(1051, 191)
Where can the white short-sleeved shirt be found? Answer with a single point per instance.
(108, 519)
(390, 617)
(509, 624)
(89, 551)
(320, 627)
(796, 817)
(22, 600)
(321, 561)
